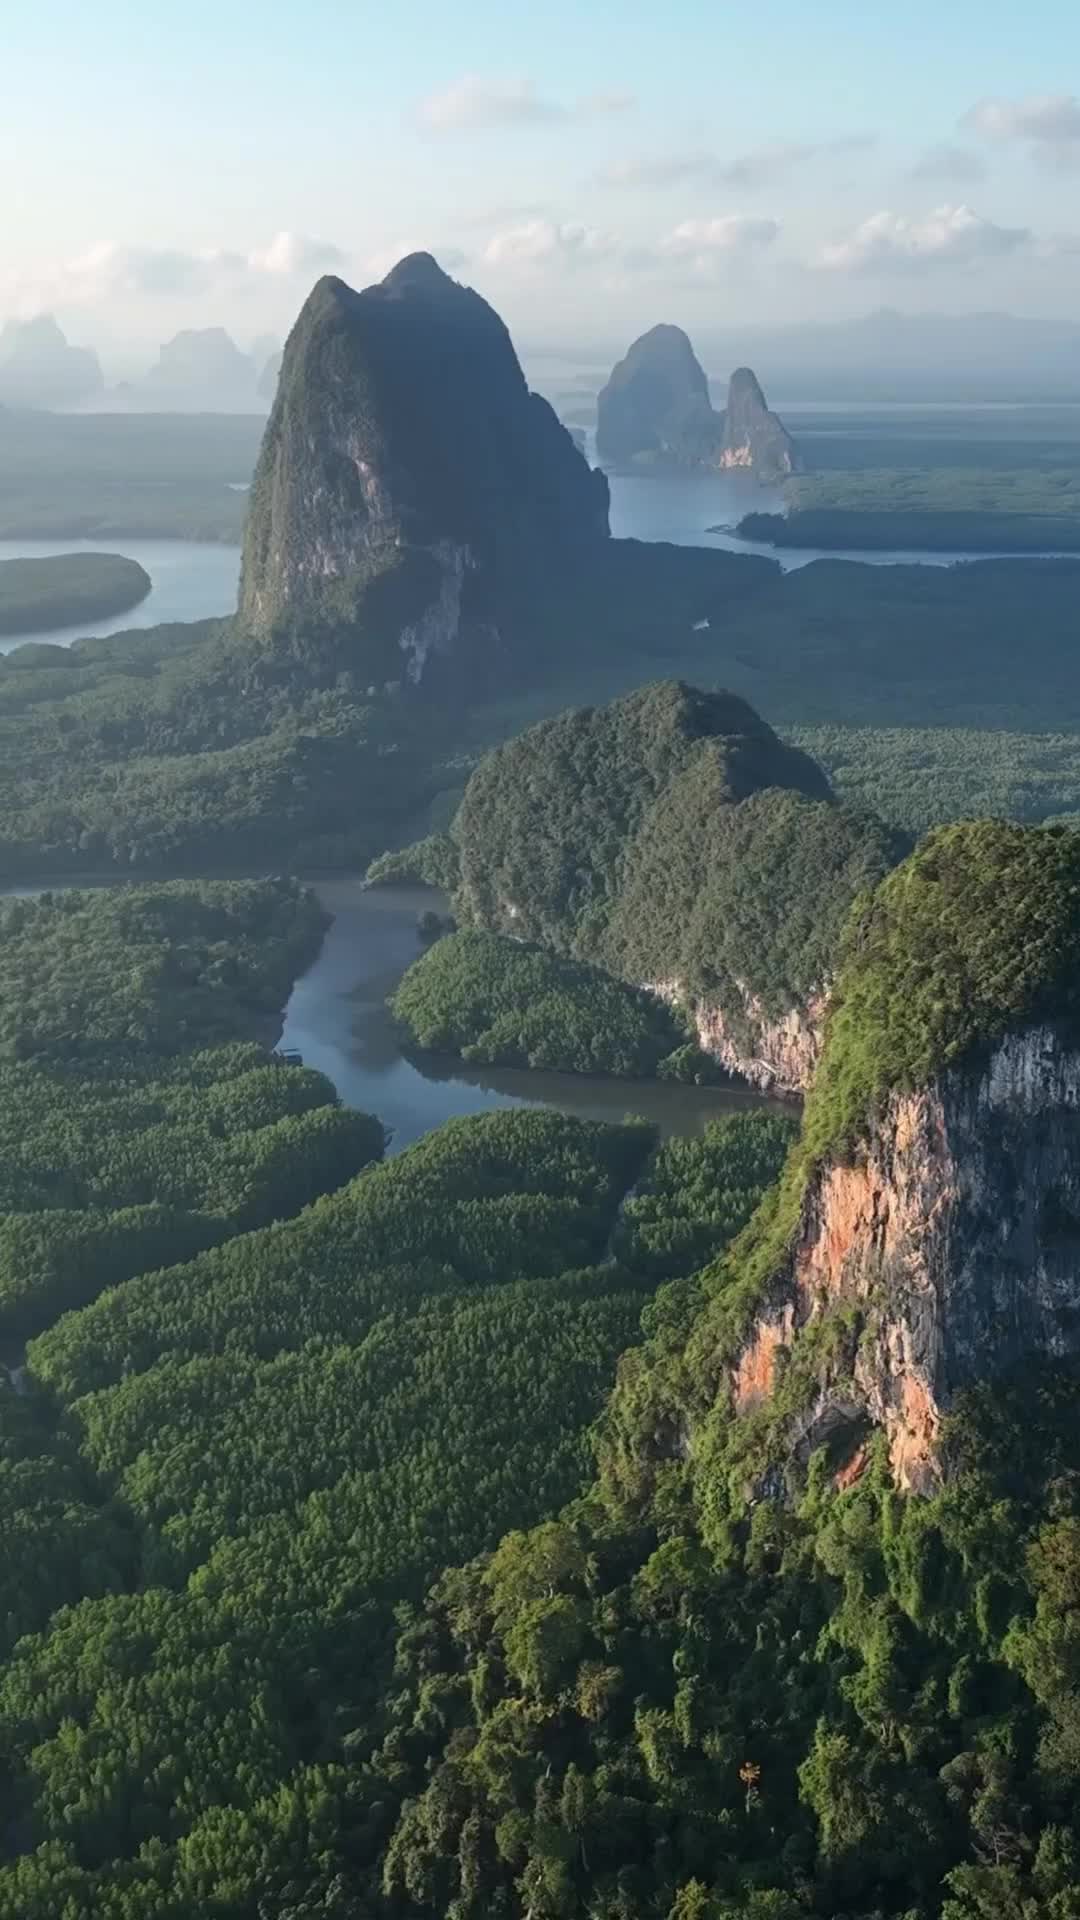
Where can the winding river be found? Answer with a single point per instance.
(337, 1019)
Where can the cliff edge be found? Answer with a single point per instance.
(927, 1234)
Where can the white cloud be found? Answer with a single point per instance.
(947, 162)
(378, 264)
(295, 253)
(760, 167)
(1048, 123)
(949, 236)
(730, 233)
(546, 242)
(475, 102)
(111, 270)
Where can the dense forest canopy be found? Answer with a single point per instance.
(673, 839)
(496, 1000)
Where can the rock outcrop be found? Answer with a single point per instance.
(775, 1052)
(656, 404)
(952, 1241)
(201, 369)
(935, 1239)
(755, 439)
(655, 410)
(409, 482)
(39, 369)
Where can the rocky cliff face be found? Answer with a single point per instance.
(656, 404)
(404, 445)
(656, 408)
(774, 1052)
(754, 438)
(945, 1249)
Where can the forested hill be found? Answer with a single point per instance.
(745, 1677)
(674, 839)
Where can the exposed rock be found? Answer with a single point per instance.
(39, 369)
(777, 1053)
(954, 1232)
(656, 404)
(754, 438)
(655, 408)
(927, 1235)
(405, 450)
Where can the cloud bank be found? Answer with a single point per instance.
(948, 236)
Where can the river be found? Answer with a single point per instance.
(197, 580)
(337, 1019)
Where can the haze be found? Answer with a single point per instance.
(740, 171)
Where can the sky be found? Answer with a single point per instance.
(591, 166)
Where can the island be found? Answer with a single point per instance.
(59, 590)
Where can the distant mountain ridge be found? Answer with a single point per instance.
(38, 367)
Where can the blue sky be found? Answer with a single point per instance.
(590, 167)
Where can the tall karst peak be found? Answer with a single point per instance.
(411, 493)
(656, 403)
(656, 409)
(754, 438)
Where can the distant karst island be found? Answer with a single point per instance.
(656, 410)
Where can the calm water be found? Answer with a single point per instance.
(197, 580)
(192, 580)
(337, 1018)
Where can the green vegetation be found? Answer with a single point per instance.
(140, 751)
(1043, 492)
(103, 978)
(672, 838)
(858, 529)
(497, 1001)
(265, 1450)
(859, 1705)
(102, 476)
(58, 592)
(742, 901)
(973, 935)
(700, 1193)
(922, 777)
(546, 821)
(836, 643)
(931, 509)
(430, 862)
(137, 1125)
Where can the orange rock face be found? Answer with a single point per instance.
(951, 1242)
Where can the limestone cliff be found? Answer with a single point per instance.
(655, 409)
(772, 1050)
(931, 1217)
(754, 438)
(951, 1239)
(404, 452)
(655, 405)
